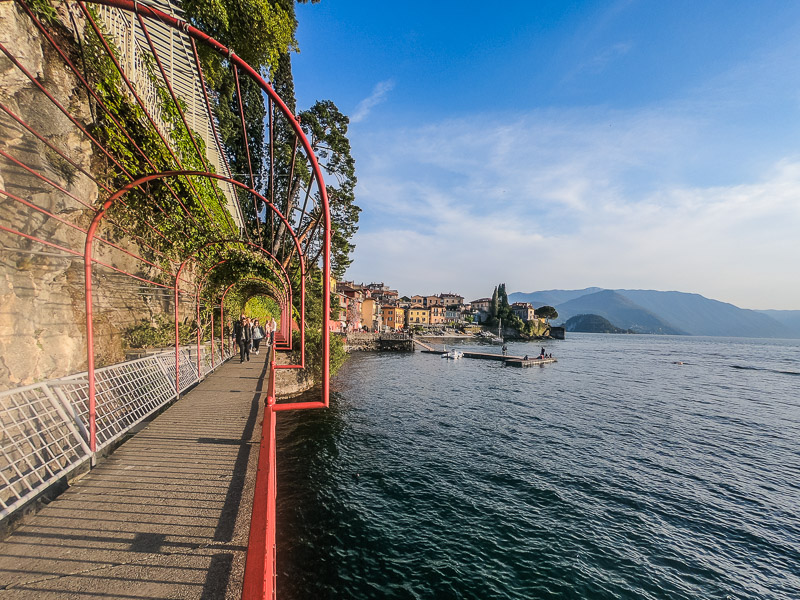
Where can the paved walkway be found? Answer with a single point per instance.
(166, 516)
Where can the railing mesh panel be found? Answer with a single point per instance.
(45, 426)
(38, 444)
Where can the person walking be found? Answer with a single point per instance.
(273, 327)
(243, 332)
(258, 335)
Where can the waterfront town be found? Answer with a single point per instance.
(375, 307)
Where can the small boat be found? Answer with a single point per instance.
(454, 354)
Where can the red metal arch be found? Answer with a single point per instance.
(88, 261)
(261, 554)
(237, 62)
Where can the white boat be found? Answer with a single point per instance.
(454, 354)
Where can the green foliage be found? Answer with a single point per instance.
(547, 312)
(159, 333)
(259, 31)
(160, 204)
(314, 326)
(262, 308)
(44, 10)
(326, 128)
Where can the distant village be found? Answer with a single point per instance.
(375, 307)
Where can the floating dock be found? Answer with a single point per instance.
(531, 362)
(511, 361)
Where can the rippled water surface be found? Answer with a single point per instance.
(614, 473)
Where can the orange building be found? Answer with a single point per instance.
(393, 317)
(438, 315)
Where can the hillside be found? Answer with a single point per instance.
(666, 312)
(551, 297)
(698, 315)
(788, 318)
(619, 310)
(592, 324)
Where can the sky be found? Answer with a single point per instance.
(563, 145)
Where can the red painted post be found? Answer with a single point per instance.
(177, 340)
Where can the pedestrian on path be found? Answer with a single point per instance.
(258, 335)
(273, 327)
(243, 332)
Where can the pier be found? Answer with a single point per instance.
(511, 361)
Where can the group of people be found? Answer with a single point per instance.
(248, 334)
(542, 355)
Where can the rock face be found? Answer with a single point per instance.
(290, 383)
(42, 307)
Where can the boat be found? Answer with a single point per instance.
(453, 354)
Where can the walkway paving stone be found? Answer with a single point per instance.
(166, 516)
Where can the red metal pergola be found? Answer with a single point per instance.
(109, 243)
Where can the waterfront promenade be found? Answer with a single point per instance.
(166, 516)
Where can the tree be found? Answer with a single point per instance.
(548, 312)
(493, 306)
(502, 296)
(326, 128)
(504, 311)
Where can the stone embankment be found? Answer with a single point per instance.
(358, 341)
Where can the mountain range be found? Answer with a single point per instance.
(676, 313)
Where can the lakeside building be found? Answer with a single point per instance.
(437, 314)
(386, 296)
(454, 314)
(351, 298)
(481, 304)
(451, 299)
(432, 301)
(393, 317)
(417, 315)
(469, 315)
(524, 310)
(371, 318)
(416, 300)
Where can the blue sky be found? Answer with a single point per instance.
(634, 144)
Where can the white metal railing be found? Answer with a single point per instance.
(44, 427)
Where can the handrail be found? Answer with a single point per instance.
(260, 571)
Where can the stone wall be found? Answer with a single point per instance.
(358, 341)
(42, 312)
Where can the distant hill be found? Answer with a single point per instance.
(650, 311)
(789, 318)
(550, 297)
(698, 315)
(592, 324)
(619, 310)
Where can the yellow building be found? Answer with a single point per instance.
(370, 317)
(418, 315)
(393, 317)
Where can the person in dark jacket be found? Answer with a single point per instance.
(243, 332)
(258, 335)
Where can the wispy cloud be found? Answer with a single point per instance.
(378, 95)
(571, 199)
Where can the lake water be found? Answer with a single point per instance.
(614, 473)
